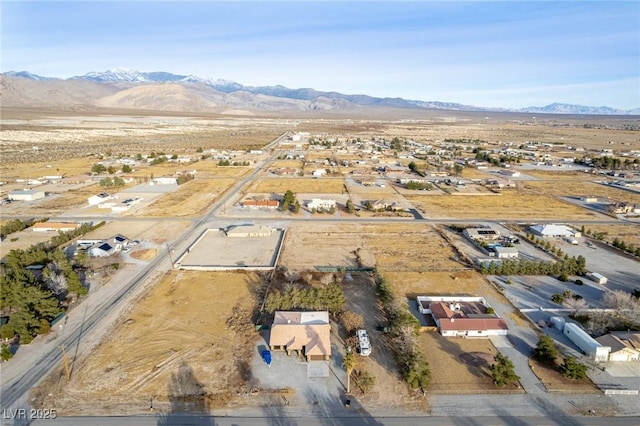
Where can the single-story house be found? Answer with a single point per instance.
(165, 181)
(319, 203)
(54, 226)
(306, 333)
(507, 172)
(94, 200)
(260, 204)
(552, 230)
(101, 249)
(625, 346)
(505, 252)
(26, 195)
(485, 233)
(463, 316)
(319, 172)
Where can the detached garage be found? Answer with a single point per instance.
(26, 195)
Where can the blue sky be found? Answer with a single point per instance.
(496, 54)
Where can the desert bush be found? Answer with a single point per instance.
(351, 321)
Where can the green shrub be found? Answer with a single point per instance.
(5, 353)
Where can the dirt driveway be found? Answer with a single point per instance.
(389, 389)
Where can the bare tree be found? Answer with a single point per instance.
(599, 322)
(626, 306)
(576, 305)
(55, 279)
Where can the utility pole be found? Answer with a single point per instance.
(66, 363)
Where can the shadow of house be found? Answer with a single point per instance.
(188, 398)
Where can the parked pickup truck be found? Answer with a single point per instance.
(364, 344)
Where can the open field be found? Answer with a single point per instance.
(158, 231)
(392, 247)
(578, 188)
(509, 205)
(63, 136)
(203, 168)
(460, 366)
(69, 167)
(561, 175)
(191, 198)
(190, 354)
(322, 185)
(556, 382)
(630, 234)
(412, 284)
(286, 163)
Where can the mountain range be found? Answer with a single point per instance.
(164, 91)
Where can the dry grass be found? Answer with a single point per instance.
(471, 173)
(58, 203)
(391, 247)
(71, 167)
(144, 254)
(189, 346)
(460, 366)
(190, 199)
(411, 284)
(579, 188)
(158, 231)
(564, 175)
(630, 234)
(556, 382)
(508, 206)
(298, 185)
(407, 247)
(286, 163)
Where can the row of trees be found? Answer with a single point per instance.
(610, 163)
(32, 300)
(404, 337)
(329, 297)
(629, 248)
(109, 182)
(17, 225)
(419, 185)
(226, 163)
(568, 266)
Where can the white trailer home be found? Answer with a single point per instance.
(586, 343)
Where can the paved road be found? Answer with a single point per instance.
(18, 379)
(355, 420)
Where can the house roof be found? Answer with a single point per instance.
(105, 247)
(296, 330)
(451, 321)
(474, 324)
(621, 341)
(552, 230)
(501, 249)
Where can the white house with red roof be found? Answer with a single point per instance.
(462, 316)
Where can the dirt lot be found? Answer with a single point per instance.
(508, 206)
(187, 358)
(460, 366)
(411, 284)
(191, 198)
(579, 188)
(385, 245)
(322, 185)
(158, 231)
(556, 382)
